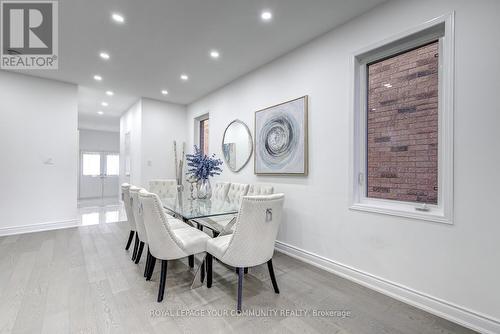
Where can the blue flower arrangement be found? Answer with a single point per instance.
(201, 166)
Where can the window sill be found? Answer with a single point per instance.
(401, 210)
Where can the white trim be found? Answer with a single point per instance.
(441, 308)
(4, 231)
(442, 28)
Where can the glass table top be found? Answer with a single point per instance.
(189, 208)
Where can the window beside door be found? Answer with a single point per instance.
(112, 164)
(91, 164)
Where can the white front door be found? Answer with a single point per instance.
(99, 172)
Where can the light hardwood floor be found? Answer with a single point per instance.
(81, 280)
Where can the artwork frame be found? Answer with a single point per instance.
(290, 119)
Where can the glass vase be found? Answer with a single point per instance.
(204, 189)
(193, 188)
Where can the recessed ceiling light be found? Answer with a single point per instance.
(117, 18)
(109, 93)
(100, 112)
(266, 15)
(214, 54)
(104, 55)
(164, 92)
(184, 77)
(97, 77)
(104, 104)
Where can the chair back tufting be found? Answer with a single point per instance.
(236, 192)
(163, 244)
(163, 188)
(255, 231)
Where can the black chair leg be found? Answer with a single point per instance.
(191, 261)
(130, 238)
(202, 273)
(273, 278)
(245, 270)
(136, 245)
(163, 279)
(139, 252)
(151, 268)
(209, 260)
(240, 288)
(148, 262)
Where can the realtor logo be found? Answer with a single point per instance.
(29, 34)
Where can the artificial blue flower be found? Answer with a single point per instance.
(202, 166)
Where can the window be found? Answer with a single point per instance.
(204, 136)
(403, 124)
(112, 164)
(91, 164)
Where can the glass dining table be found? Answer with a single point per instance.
(200, 213)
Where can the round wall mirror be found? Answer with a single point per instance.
(237, 145)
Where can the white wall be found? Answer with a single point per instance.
(99, 141)
(449, 269)
(162, 123)
(131, 122)
(98, 122)
(38, 122)
(153, 125)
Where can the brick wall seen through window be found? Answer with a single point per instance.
(204, 136)
(402, 125)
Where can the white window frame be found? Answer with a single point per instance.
(442, 29)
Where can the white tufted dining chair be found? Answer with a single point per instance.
(236, 192)
(141, 229)
(260, 189)
(220, 191)
(139, 223)
(163, 188)
(252, 242)
(253, 190)
(125, 187)
(137, 241)
(165, 242)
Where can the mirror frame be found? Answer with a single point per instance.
(251, 145)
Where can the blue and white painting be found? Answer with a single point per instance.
(281, 138)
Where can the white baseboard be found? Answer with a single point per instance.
(455, 313)
(39, 227)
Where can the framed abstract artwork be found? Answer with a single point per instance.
(281, 139)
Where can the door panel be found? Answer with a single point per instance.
(99, 175)
(90, 181)
(110, 180)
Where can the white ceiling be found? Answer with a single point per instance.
(161, 39)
